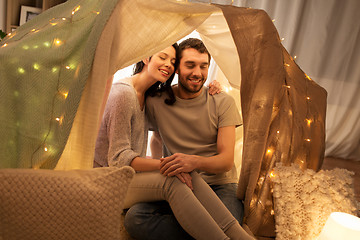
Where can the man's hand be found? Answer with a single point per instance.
(185, 178)
(177, 163)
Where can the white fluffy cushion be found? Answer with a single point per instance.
(52, 204)
(303, 200)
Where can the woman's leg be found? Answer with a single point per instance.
(217, 209)
(190, 213)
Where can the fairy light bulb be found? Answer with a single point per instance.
(308, 121)
(59, 120)
(67, 67)
(57, 42)
(45, 149)
(286, 65)
(4, 45)
(282, 39)
(308, 98)
(21, 70)
(65, 94)
(36, 66)
(308, 139)
(75, 10)
(47, 44)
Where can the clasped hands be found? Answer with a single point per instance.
(179, 165)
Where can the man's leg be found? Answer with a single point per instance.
(227, 194)
(153, 220)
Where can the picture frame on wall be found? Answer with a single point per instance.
(27, 13)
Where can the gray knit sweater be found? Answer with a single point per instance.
(122, 135)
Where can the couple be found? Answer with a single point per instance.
(197, 132)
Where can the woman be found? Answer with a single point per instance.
(122, 141)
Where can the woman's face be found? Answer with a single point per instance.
(162, 64)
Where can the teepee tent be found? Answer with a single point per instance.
(55, 76)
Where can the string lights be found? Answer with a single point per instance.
(60, 69)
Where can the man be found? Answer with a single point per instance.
(198, 134)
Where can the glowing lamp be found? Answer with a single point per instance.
(341, 226)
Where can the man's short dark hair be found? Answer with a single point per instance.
(192, 43)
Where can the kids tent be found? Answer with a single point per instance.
(55, 76)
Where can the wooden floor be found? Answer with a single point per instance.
(351, 165)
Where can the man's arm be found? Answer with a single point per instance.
(222, 162)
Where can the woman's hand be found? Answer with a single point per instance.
(185, 178)
(215, 87)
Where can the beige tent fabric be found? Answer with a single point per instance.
(125, 39)
(283, 113)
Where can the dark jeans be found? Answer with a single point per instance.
(155, 220)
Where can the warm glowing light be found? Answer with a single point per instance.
(67, 67)
(287, 65)
(273, 20)
(9, 34)
(57, 42)
(47, 44)
(21, 70)
(63, 19)
(75, 10)
(307, 77)
(272, 174)
(4, 45)
(35, 46)
(54, 69)
(341, 225)
(287, 86)
(308, 98)
(226, 89)
(36, 66)
(282, 39)
(309, 121)
(277, 132)
(25, 47)
(45, 149)
(308, 139)
(33, 30)
(65, 94)
(272, 212)
(59, 119)
(295, 57)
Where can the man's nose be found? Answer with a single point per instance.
(196, 71)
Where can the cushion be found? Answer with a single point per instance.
(53, 204)
(303, 200)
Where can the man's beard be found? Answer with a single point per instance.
(187, 89)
